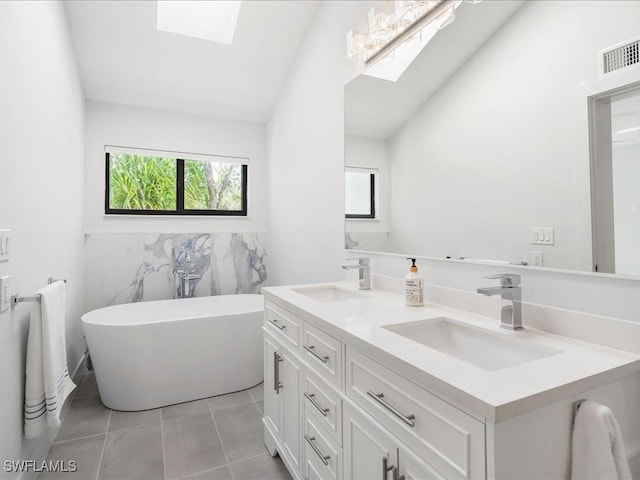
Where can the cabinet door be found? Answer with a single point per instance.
(290, 378)
(366, 448)
(410, 467)
(271, 394)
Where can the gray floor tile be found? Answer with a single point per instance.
(86, 454)
(184, 409)
(220, 473)
(191, 445)
(121, 420)
(229, 400)
(133, 454)
(261, 405)
(241, 431)
(86, 416)
(257, 392)
(88, 386)
(261, 467)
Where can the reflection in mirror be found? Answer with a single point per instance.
(475, 143)
(360, 197)
(615, 163)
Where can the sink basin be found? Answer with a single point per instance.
(329, 294)
(486, 350)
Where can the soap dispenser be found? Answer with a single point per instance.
(413, 287)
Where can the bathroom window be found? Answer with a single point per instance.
(145, 182)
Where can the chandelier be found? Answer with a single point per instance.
(395, 22)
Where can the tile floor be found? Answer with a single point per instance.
(213, 438)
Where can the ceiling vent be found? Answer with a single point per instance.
(621, 56)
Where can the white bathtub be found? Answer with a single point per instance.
(151, 354)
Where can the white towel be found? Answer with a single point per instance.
(597, 445)
(48, 383)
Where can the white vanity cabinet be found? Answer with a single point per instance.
(283, 380)
(343, 395)
(333, 413)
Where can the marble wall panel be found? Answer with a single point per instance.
(125, 268)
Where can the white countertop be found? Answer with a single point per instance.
(495, 395)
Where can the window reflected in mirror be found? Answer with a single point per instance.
(360, 197)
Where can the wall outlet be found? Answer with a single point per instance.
(5, 240)
(535, 259)
(542, 236)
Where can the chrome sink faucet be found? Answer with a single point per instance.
(364, 272)
(509, 289)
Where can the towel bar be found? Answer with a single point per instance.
(15, 299)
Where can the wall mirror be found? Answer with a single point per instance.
(475, 145)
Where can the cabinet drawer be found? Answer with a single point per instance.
(285, 326)
(324, 403)
(323, 354)
(322, 455)
(444, 436)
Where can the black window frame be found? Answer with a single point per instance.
(371, 215)
(180, 210)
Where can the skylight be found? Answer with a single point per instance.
(207, 20)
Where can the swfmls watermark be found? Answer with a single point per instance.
(23, 466)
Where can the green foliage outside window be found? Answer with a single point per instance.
(212, 185)
(145, 183)
(139, 182)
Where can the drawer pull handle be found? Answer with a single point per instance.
(310, 349)
(310, 397)
(311, 442)
(378, 397)
(386, 468)
(277, 385)
(275, 323)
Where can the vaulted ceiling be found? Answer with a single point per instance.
(124, 59)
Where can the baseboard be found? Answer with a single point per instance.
(80, 370)
(78, 373)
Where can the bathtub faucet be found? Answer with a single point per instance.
(184, 279)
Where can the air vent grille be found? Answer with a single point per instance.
(621, 57)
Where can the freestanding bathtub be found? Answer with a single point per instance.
(151, 354)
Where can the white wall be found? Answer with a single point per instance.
(306, 142)
(626, 208)
(112, 124)
(491, 154)
(306, 157)
(40, 192)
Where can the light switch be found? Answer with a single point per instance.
(5, 293)
(5, 241)
(542, 236)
